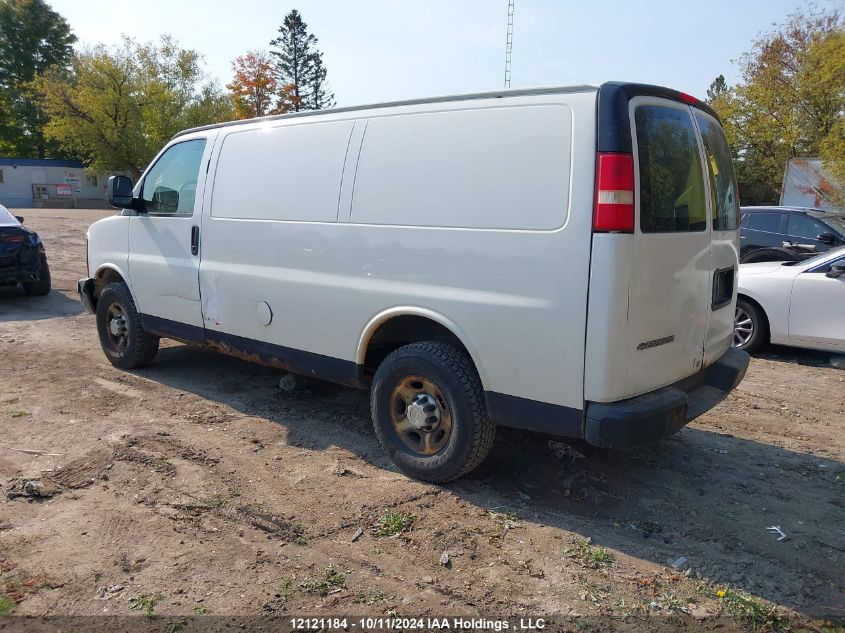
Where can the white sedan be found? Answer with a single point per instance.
(792, 303)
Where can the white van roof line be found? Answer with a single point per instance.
(498, 94)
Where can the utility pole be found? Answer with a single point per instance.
(509, 45)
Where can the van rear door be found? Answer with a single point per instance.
(724, 242)
(670, 284)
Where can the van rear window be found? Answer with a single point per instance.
(671, 181)
(722, 180)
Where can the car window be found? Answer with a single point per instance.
(838, 224)
(671, 179)
(170, 187)
(6, 217)
(802, 226)
(764, 222)
(810, 262)
(721, 171)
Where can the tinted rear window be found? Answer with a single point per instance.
(764, 222)
(671, 181)
(721, 171)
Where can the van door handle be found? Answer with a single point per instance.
(195, 240)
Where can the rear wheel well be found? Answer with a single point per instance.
(105, 277)
(402, 330)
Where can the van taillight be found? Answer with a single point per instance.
(11, 239)
(614, 202)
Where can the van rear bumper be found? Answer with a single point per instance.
(660, 413)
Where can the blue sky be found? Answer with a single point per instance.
(380, 50)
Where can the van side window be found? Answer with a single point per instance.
(671, 180)
(170, 187)
(722, 179)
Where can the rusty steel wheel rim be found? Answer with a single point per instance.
(420, 415)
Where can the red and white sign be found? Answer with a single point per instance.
(64, 190)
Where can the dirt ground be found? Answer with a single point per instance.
(197, 486)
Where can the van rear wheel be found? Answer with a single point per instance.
(429, 412)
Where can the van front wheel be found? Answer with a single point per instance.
(124, 341)
(429, 412)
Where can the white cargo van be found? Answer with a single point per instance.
(560, 260)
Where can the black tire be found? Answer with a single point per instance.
(133, 348)
(461, 397)
(43, 285)
(769, 255)
(759, 326)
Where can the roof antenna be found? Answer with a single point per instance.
(509, 45)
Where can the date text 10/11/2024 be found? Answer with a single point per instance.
(420, 624)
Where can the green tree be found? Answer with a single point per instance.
(717, 89)
(789, 103)
(300, 65)
(33, 38)
(319, 94)
(118, 106)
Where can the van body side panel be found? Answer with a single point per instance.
(515, 279)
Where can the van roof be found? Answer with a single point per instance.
(612, 108)
(498, 94)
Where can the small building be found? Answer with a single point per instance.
(50, 183)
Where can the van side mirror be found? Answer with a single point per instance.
(120, 192)
(827, 238)
(19, 218)
(836, 271)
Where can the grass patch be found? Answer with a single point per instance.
(286, 589)
(593, 556)
(321, 585)
(175, 626)
(371, 597)
(393, 524)
(19, 414)
(750, 610)
(200, 609)
(145, 603)
(6, 605)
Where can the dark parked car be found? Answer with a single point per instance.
(788, 233)
(22, 258)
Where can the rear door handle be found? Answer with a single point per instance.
(195, 240)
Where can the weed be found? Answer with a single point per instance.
(371, 597)
(200, 609)
(331, 579)
(750, 610)
(18, 414)
(145, 603)
(286, 589)
(393, 524)
(6, 605)
(216, 501)
(593, 556)
(505, 521)
(175, 626)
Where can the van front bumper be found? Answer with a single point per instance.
(657, 414)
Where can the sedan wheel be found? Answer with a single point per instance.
(743, 328)
(751, 329)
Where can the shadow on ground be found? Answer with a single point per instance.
(702, 495)
(17, 306)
